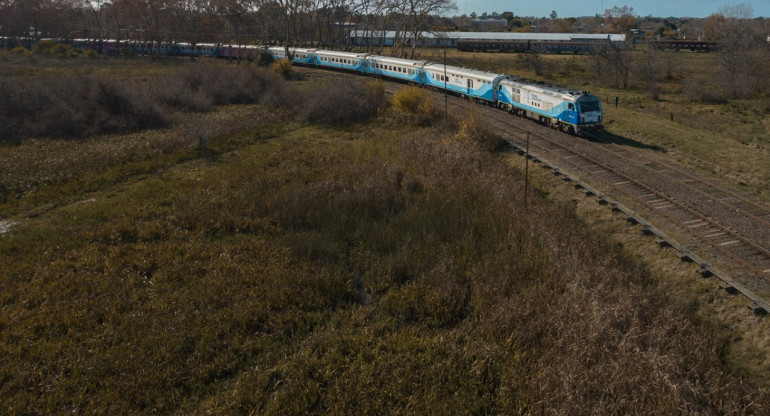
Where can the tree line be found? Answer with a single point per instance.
(296, 22)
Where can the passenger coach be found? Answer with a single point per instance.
(341, 60)
(466, 82)
(403, 69)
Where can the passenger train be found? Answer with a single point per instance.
(570, 110)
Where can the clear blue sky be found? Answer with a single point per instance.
(575, 8)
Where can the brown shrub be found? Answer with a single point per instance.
(81, 105)
(337, 103)
(416, 104)
(472, 129)
(72, 106)
(702, 91)
(283, 68)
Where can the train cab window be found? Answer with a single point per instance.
(571, 106)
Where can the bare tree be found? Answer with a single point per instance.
(613, 67)
(419, 11)
(650, 71)
(741, 56)
(270, 22)
(619, 19)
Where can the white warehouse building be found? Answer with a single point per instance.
(450, 39)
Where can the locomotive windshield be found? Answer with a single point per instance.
(590, 104)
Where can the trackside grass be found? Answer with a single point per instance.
(375, 268)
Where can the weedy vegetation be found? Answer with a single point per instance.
(84, 103)
(300, 265)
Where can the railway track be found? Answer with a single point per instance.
(707, 221)
(725, 231)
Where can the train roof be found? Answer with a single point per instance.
(292, 49)
(465, 72)
(95, 40)
(196, 44)
(340, 54)
(544, 87)
(554, 37)
(235, 45)
(396, 61)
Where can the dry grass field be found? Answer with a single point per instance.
(296, 262)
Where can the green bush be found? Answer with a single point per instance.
(265, 59)
(21, 50)
(44, 46)
(57, 50)
(90, 53)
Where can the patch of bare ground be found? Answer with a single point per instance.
(6, 225)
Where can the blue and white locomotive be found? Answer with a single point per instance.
(570, 110)
(560, 107)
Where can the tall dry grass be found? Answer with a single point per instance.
(384, 272)
(77, 102)
(288, 268)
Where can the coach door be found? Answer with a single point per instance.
(470, 86)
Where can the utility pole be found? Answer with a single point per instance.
(446, 98)
(526, 173)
